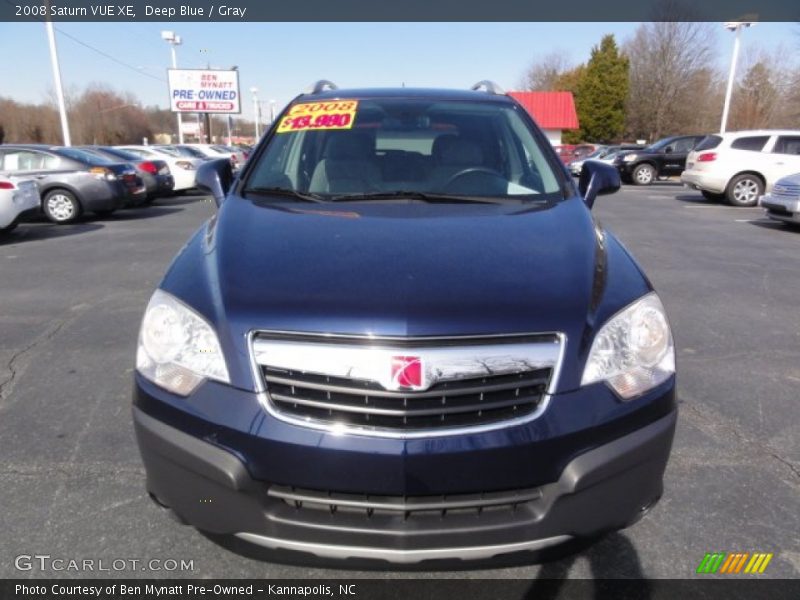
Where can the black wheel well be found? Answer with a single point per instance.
(645, 162)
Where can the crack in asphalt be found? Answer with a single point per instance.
(761, 448)
(13, 366)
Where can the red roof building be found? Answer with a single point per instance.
(554, 112)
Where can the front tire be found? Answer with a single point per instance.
(643, 174)
(61, 206)
(744, 190)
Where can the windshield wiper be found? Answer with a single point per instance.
(424, 196)
(279, 191)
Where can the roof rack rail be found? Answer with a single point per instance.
(321, 86)
(490, 86)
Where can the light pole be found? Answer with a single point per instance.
(737, 27)
(174, 40)
(256, 108)
(62, 105)
(271, 112)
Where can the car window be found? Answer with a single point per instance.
(166, 150)
(682, 145)
(754, 143)
(85, 157)
(193, 152)
(709, 142)
(400, 144)
(787, 145)
(27, 160)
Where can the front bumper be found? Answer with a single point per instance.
(605, 488)
(781, 209)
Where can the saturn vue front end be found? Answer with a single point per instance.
(403, 337)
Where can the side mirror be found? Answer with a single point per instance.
(216, 178)
(597, 179)
(669, 150)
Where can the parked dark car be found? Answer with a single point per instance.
(72, 181)
(665, 157)
(403, 337)
(603, 153)
(155, 174)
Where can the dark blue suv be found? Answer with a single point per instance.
(403, 337)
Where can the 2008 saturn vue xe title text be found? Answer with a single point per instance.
(404, 337)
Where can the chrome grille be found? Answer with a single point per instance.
(407, 507)
(349, 384)
(358, 402)
(786, 190)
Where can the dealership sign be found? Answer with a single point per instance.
(204, 90)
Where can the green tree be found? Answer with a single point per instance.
(600, 94)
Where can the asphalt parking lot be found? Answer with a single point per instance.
(72, 486)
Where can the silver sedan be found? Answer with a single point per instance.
(783, 202)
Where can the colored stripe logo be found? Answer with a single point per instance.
(734, 563)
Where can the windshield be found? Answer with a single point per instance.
(389, 146)
(189, 151)
(659, 145)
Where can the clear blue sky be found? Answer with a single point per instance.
(281, 59)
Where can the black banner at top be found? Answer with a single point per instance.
(397, 10)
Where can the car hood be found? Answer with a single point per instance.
(403, 269)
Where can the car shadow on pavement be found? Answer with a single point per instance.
(787, 228)
(695, 198)
(610, 557)
(29, 232)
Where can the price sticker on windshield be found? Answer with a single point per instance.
(338, 114)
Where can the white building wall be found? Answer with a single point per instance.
(554, 135)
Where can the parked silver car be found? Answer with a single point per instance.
(783, 202)
(18, 199)
(72, 181)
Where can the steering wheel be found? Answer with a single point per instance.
(470, 170)
(474, 170)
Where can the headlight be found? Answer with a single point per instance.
(633, 352)
(629, 157)
(177, 348)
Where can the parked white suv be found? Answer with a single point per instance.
(741, 166)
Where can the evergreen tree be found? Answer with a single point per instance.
(601, 93)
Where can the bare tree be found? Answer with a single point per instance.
(544, 73)
(669, 71)
(766, 93)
